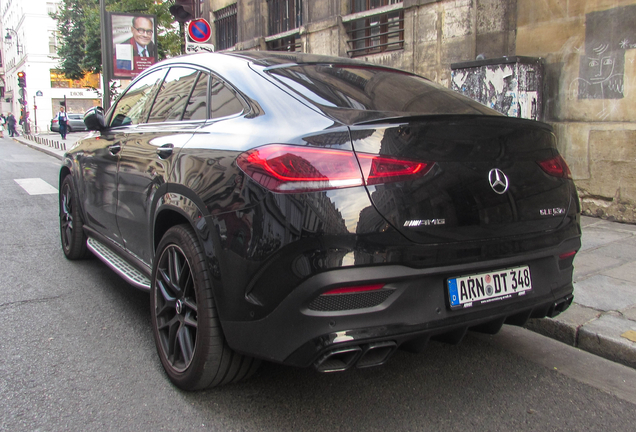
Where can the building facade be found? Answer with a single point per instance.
(585, 49)
(29, 45)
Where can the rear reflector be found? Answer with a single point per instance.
(567, 255)
(556, 167)
(355, 289)
(290, 169)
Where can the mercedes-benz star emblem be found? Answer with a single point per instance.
(498, 181)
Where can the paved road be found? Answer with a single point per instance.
(76, 353)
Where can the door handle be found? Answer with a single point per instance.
(165, 151)
(114, 149)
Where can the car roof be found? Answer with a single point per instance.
(270, 58)
(238, 68)
(219, 61)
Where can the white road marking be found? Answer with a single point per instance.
(36, 186)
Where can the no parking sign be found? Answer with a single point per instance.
(199, 30)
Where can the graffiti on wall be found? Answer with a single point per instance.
(608, 34)
(510, 88)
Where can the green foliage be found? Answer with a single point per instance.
(72, 30)
(78, 24)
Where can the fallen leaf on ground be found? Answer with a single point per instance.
(630, 334)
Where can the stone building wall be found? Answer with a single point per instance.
(588, 48)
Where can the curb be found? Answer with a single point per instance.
(597, 332)
(50, 147)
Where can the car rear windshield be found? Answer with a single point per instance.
(372, 88)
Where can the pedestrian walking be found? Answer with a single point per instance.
(2, 123)
(11, 125)
(62, 120)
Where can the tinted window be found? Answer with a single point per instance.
(133, 106)
(173, 94)
(375, 89)
(197, 108)
(224, 100)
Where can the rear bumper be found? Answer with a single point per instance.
(416, 310)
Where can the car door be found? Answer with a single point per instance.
(76, 122)
(147, 158)
(99, 162)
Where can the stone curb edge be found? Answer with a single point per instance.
(39, 147)
(599, 336)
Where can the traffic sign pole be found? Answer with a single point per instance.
(35, 115)
(106, 58)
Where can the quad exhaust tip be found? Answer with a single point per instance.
(362, 356)
(560, 306)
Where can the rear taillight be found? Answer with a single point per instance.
(556, 167)
(289, 169)
(381, 169)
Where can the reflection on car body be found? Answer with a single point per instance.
(319, 211)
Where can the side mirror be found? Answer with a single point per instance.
(94, 119)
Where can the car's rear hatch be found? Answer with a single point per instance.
(488, 177)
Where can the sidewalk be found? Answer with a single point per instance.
(602, 318)
(51, 144)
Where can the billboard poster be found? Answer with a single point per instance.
(133, 47)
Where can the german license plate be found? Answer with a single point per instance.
(499, 285)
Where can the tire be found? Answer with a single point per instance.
(71, 226)
(186, 327)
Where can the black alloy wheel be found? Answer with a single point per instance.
(71, 225)
(176, 308)
(188, 335)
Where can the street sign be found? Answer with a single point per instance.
(39, 93)
(199, 30)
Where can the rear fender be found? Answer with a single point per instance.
(187, 208)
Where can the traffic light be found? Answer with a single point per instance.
(182, 10)
(21, 79)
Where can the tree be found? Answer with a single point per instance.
(72, 31)
(78, 24)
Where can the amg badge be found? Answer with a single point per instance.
(416, 223)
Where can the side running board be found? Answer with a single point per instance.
(119, 265)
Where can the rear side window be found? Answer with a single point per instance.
(132, 108)
(374, 89)
(197, 108)
(173, 95)
(224, 100)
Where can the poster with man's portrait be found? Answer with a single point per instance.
(134, 46)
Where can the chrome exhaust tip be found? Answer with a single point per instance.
(376, 354)
(338, 360)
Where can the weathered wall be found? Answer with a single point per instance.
(510, 85)
(589, 48)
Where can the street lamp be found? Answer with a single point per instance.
(8, 38)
